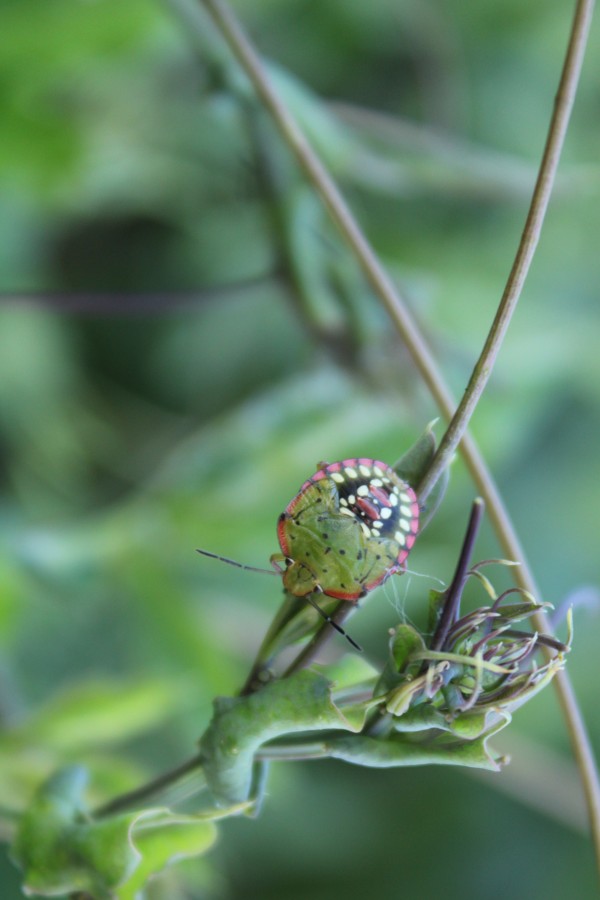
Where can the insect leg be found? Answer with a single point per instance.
(331, 622)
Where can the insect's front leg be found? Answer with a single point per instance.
(279, 562)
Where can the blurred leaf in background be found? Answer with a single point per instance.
(183, 336)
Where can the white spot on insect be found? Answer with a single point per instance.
(394, 500)
(343, 501)
(338, 477)
(347, 512)
(376, 482)
(366, 530)
(378, 524)
(400, 538)
(404, 524)
(351, 499)
(405, 510)
(385, 512)
(350, 472)
(364, 471)
(377, 471)
(363, 489)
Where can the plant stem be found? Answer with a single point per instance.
(133, 799)
(557, 130)
(454, 591)
(410, 334)
(310, 652)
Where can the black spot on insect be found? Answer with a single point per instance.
(324, 535)
(326, 551)
(359, 555)
(378, 556)
(342, 551)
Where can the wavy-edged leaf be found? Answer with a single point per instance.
(441, 748)
(240, 725)
(61, 850)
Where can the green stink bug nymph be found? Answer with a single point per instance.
(349, 527)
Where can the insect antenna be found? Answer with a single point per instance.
(331, 622)
(238, 565)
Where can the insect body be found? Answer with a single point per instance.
(351, 526)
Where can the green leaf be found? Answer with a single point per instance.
(348, 671)
(164, 842)
(97, 712)
(61, 852)
(413, 465)
(441, 748)
(241, 725)
(437, 600)
(421, 717)
(467, 726)
(405, 640)
(434, 499)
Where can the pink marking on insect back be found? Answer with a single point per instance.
(368, 508)
(380, 495)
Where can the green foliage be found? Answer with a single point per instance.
(412, 466)
(136, 426)
(61, 850)
(300, 703)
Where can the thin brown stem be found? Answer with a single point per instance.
(557, 130)
(410, 334)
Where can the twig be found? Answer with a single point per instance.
(408, 331)
(454, 592)
(530, 236)
(132, 799)
(311, 650)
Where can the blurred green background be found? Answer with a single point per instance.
(183, 336)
